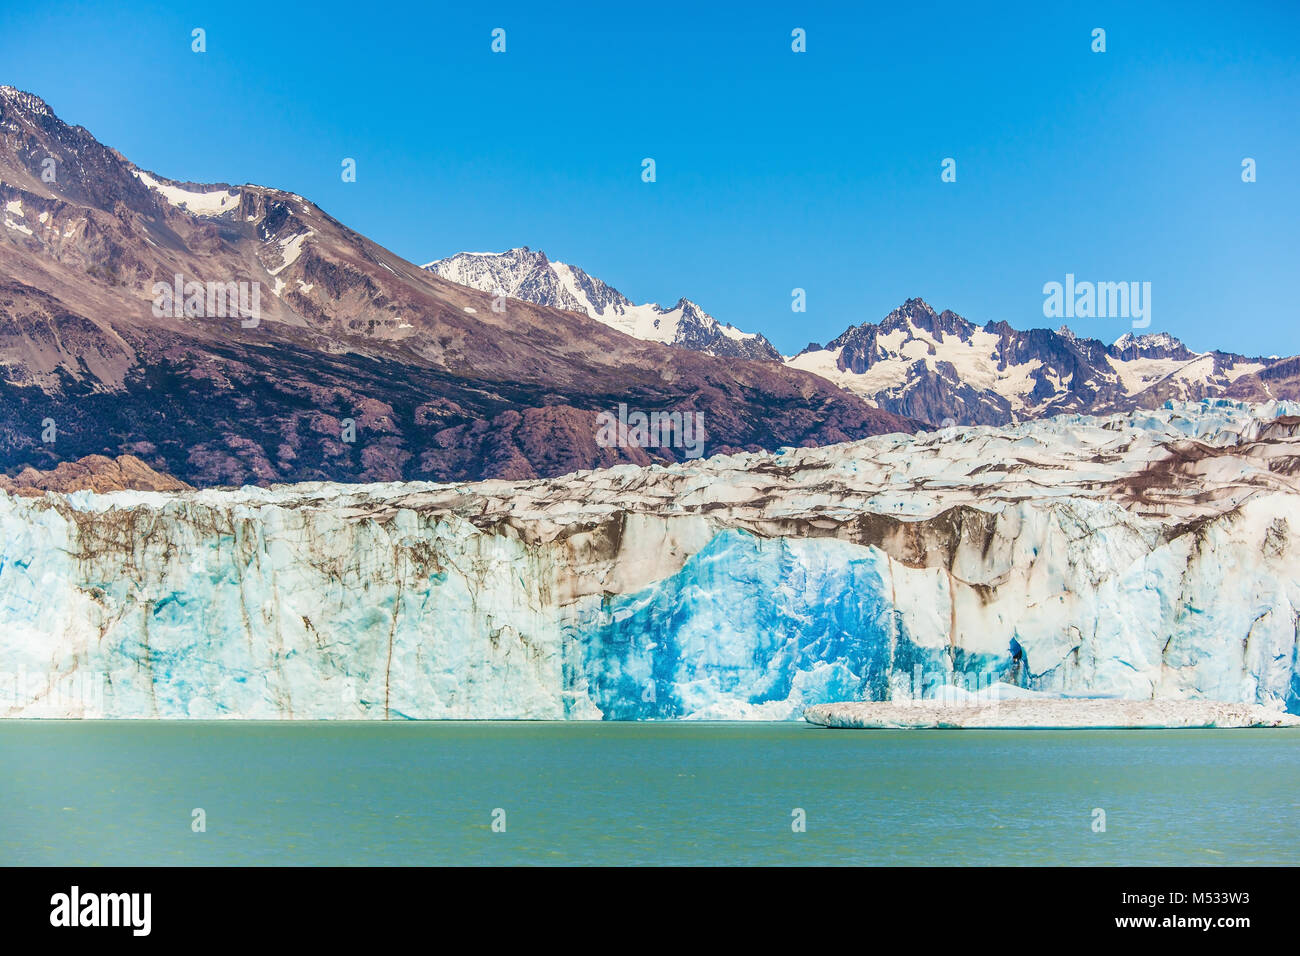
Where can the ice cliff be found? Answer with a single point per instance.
(1147, 555)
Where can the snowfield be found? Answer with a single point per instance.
(218, 202)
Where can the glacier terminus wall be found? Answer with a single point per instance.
(1151, 555)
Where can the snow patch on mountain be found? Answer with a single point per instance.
(290, 250)
(207, 203)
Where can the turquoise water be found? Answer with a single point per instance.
(86, 793)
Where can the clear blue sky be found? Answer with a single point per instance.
(775, 169)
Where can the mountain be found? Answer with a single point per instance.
(939, 367)
(532, 277)
(92, 473)
(299, 333)
(919, 364)
(1148, 556)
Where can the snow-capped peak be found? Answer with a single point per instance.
(1149, 340)
(933, 367)
(531, 276)
(27, 102)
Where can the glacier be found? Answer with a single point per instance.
(1145, 556)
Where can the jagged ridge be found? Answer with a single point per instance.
(524, 274)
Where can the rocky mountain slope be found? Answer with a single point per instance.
(928, 366)
(359, 366)
(938, 367)
(92, 473)
(1147, 556)
(531, 276)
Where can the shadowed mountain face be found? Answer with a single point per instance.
(345, 363)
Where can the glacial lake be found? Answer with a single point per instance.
(123, 793)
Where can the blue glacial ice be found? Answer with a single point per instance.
(743, 587)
